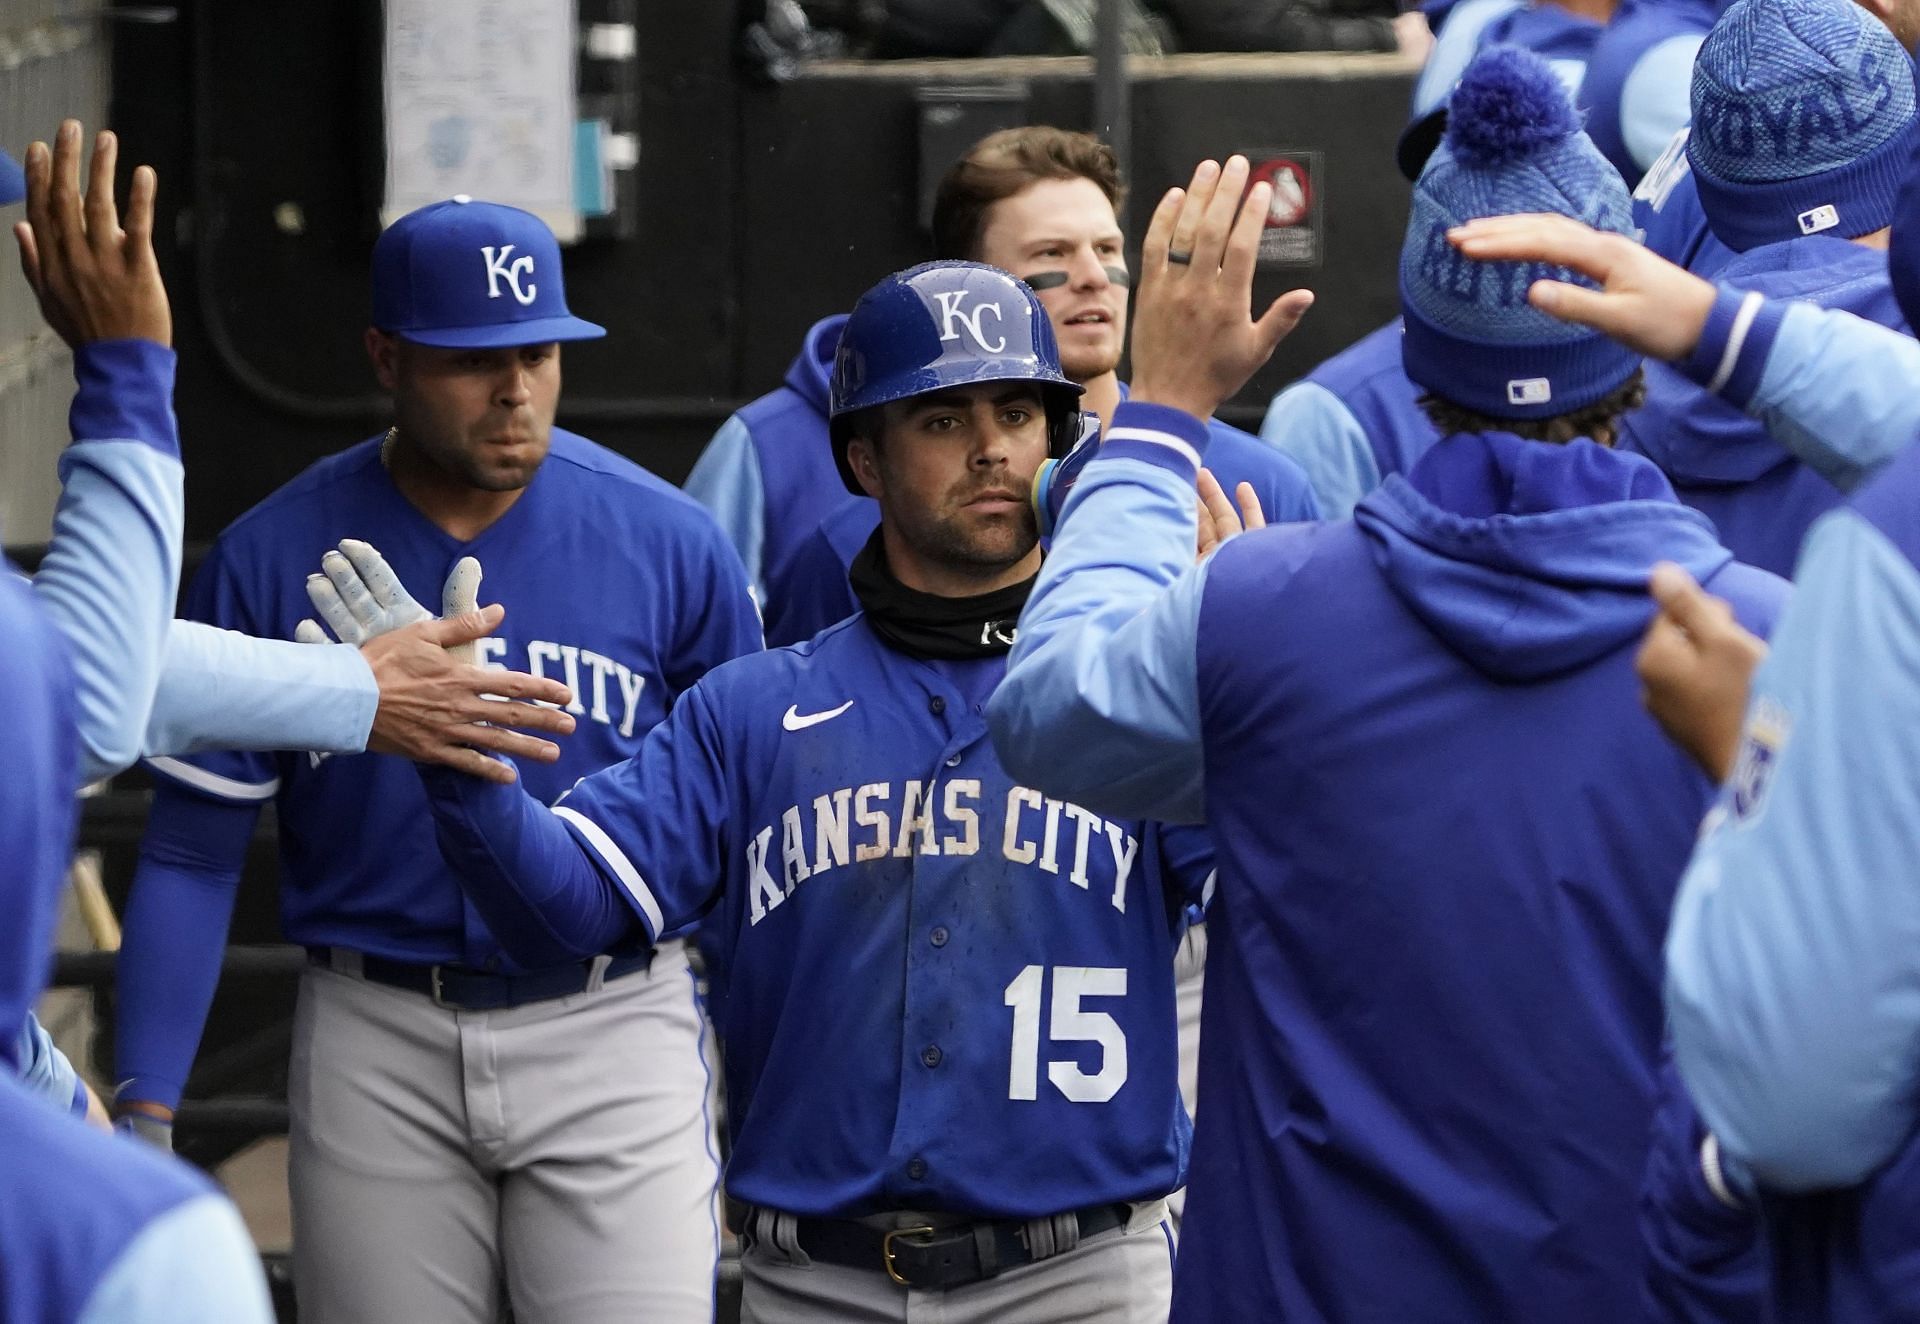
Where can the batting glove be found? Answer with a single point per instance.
(1054, 480)
(360, 598)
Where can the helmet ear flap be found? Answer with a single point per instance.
(1065, 421)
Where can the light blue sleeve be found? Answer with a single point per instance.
(1793, 960)
(44, 1069)
(1454, 48)
(109, 580)
(1101, 703)
(220, 689)
(1312, 427)
(195, 1264)
(726, 480)
(1837, 391)
(1655, 99)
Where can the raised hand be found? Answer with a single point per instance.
(1219, 520)
(1195, 340)
(95, 279)
(1644, 301)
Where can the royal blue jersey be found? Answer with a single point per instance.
(1721, 460)
(614, 583)
(947, 990)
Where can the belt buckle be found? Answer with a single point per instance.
(433, 987)
(886, 1249)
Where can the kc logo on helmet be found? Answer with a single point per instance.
(957, 317)
(499, 269)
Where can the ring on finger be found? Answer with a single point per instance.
(1180, 257)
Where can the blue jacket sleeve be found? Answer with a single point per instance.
(1833, 388)
(726, 480)
(174, 932)
(112, 569)
(195, 1264)
(1792, 981)
(1101, 704)
(220, 689)
(634, 851)
(1310, 426)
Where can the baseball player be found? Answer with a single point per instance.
(1806, 216)
(109, 577)
(1790, 959)
(462, 1121)
(1042, 203)
(951, 1059)
(1448, 837)
(91, 1229)
(1666, 204)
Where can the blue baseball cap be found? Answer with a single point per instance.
(13, 181)
(463, 274)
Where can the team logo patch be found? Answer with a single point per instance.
(1760, 746)
(499, 269)
(1815, 219)
(1529, 391)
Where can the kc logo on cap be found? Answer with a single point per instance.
(498, 269)
(465, 274)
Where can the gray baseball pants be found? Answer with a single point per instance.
(1123, 1276)
(560, 1152)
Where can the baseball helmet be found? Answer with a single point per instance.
(940, 325)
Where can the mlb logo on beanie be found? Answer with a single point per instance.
(1513, 144)
(1802, 115)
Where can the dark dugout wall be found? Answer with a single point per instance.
(759, 209)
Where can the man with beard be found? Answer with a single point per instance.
(911, 1135)
(461, 1120)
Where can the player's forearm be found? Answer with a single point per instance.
(1833, 388)
(220, 689)
(1100, 702)
(541, 896)
(112, 568)
(175, 930)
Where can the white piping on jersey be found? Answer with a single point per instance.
(1166, 439)
(618, 862)
(212, 782)
(1737, 339)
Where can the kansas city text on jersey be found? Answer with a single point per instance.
(854, 825)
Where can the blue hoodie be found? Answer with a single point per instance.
(1448, 841)
(1721, 460)
(93, 1228)
(768, 474)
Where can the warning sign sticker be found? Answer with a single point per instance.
(1293, 234)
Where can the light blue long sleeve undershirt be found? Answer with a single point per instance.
(1313, 427)
(1793, 960)
(1100, 704)
(195, 1264)
(726, 480)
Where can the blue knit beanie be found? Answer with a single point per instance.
(1802, 111)
(1513, 144)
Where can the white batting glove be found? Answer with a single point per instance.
(360, 598)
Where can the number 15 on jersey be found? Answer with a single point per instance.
(1068, 1024)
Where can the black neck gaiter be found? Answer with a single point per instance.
(925, 625)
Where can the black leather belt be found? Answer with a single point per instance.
(476, 990)
(940, 1257)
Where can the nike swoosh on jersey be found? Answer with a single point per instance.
(793, 721)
